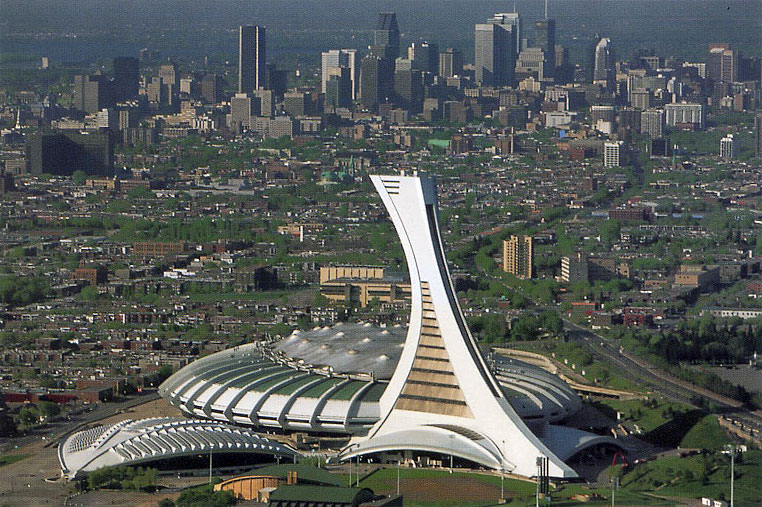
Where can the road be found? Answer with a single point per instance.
(639, 371)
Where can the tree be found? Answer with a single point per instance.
(7, 426)
(79, 177)
(610, 231)
(28, 416)
(48, 409)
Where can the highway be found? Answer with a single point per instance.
(640, 372)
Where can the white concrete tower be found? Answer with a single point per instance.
(442, 397)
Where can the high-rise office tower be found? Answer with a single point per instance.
(514, 20)
(336, 59)
(408, 89)
(494, 54)
(92, 93)
(266, 102)
(590, 59)
(338, 88)
(517, 256)
(424, 56)
(168, 74)
(242, 107)
(376, 80)
(450, 63)
(758, 128)
(126, 77)
(722, 64)
(387, 33)
(545, 39)
(211, 88)
(275, 79)
(251, 58)
(604, 72)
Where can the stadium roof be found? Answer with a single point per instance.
(139, 442)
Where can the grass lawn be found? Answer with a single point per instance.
(429, 487)
(12, 458)
(647, 415)
(699, 475)
(706, 434)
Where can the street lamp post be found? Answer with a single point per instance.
(452, 450)
(614, 485)
(398, 478)
(732, 451)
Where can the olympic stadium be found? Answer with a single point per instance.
(425, 389)
(330, 380)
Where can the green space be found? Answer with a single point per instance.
(12, 458)
(668, 424)
(706, 434)
(705, 474)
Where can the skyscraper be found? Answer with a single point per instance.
(494, 53)
(450, 63)
(211, 88)
(517, 256)
(758, 128)
(92, 93)
(425, 56)
(514, 20)
(338, 88)
(722, 64)
(331, 63)
(388, 34)
(376, 80)
(251, 58)
(126, 77)
(545, 39)
(604, 71)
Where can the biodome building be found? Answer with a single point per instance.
(426, 388)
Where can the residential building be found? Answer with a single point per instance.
(652, 122)
(683, 113)
(517, 256)
(612, 153)
(574, 268)
(728, 147)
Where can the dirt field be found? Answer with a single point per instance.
(23, 483)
